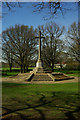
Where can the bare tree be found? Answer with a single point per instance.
(73, 38)
(53, 9)
(20, 41)
(11, 5)
(62, 57)
(7, 55)
(52, 43)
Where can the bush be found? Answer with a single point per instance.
(73, 66)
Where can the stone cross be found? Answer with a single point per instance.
(39, 54)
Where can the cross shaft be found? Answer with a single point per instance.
(39, 55)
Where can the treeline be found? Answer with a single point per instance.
(19, 45)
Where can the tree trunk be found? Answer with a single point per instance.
(10, 68)
(26, 68)
(22, 66)
(21, 69)
(53, 67)
(61, 66)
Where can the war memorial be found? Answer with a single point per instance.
(39, 74)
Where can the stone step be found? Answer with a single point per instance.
(19, 77)
(41, 78)
(60, 77)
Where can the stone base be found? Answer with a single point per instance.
(39, 64)
(38, 70)
(39, 67)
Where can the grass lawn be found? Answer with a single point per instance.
(40, 101)
(7, 73)
(74, 73)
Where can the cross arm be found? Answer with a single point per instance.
(40, 37)
(36, 37)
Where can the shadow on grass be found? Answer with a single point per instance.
(42, 102)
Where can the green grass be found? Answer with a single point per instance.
(7, 73)
(74, 73)
(3, 68)
(40, 101)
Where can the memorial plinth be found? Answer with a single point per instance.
(39, 63)
(39, 74)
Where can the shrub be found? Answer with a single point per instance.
(73, 66)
